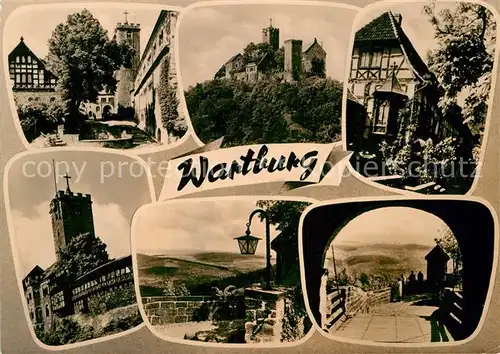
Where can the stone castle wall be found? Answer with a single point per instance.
(172, 309)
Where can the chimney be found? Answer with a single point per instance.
(398, 17)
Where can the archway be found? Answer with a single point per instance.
(457, 214)
(107, 110)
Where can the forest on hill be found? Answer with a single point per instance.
(271, 111)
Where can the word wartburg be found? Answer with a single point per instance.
(249, 164)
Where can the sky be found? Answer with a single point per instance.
(393, 225)
(36, 33)
(197, 226)
(209, 36)
(31, 188)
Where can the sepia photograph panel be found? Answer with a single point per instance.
(221, 271)
(419, 86)
(70, 234)
(265, 73)
(398, 271)
(95, 76)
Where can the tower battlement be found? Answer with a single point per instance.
(128, 26)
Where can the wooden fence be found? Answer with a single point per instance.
(452, 314)
(335, 307)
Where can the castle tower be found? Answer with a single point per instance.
(293, 58)
(129, 33)
(271, 35)
(71, 216)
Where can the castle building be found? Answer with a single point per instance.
(271, 35)
(138, 86)
(49, 299)
(156, 71)
(297, 62)
(129, 33)
(30, 80)
(386, 75)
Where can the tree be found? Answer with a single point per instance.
(84, 60)
(174, 123)
(463, 60)
(267, 112)
(37, 117)
(285, 215)
(449, 244)
(83, 254)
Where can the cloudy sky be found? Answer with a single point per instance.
(209, 36)
(393, 225)
(31, 188)
(36, 33)
(197, 226)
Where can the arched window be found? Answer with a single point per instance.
(30, 99)
(383, 113)
(47, 311)
(23, 78)
(52, 99)
(23, 59)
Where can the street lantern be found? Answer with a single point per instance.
(247, 243)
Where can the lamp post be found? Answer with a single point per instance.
(248, 243)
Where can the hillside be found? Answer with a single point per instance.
(268, 112)
(196, 269)
(376, 259)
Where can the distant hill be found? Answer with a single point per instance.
(193, 269)
(381, 258)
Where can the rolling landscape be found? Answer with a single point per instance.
(197, 271)
(371, 259)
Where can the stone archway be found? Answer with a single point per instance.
(457, 214)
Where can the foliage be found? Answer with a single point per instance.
(83, 254)
(449, 244)
(463, 60)
(296, 322)
(438, 160)
(116, 298)
(124, 113)
(67, 331)
(285, 215)
(84, 60)
(171, 289)
(267, 112)
(174, 123)
(317, 68)
(226, 304)
(37, 117)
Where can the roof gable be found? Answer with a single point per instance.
(313, 45)
(388, 27)
(437, 253)
(234, 58)
(378, 29)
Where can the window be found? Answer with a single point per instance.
(23, 59)
(47, 311)
(23, 78)
(30, 78)
(18, 78)
(376, 60)
(364, 61)
(29, 59)
(30, 99)
(382, 115)
(18, 59)
(52, 99)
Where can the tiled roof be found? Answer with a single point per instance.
(233, 58)
(387, 27)
(378, 29)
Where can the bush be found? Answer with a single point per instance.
(39, 118)
(117, 298)
(67, 331)
(175, 290)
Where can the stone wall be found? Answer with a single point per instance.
(24, 97)
(172, 309)
(265, 310)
